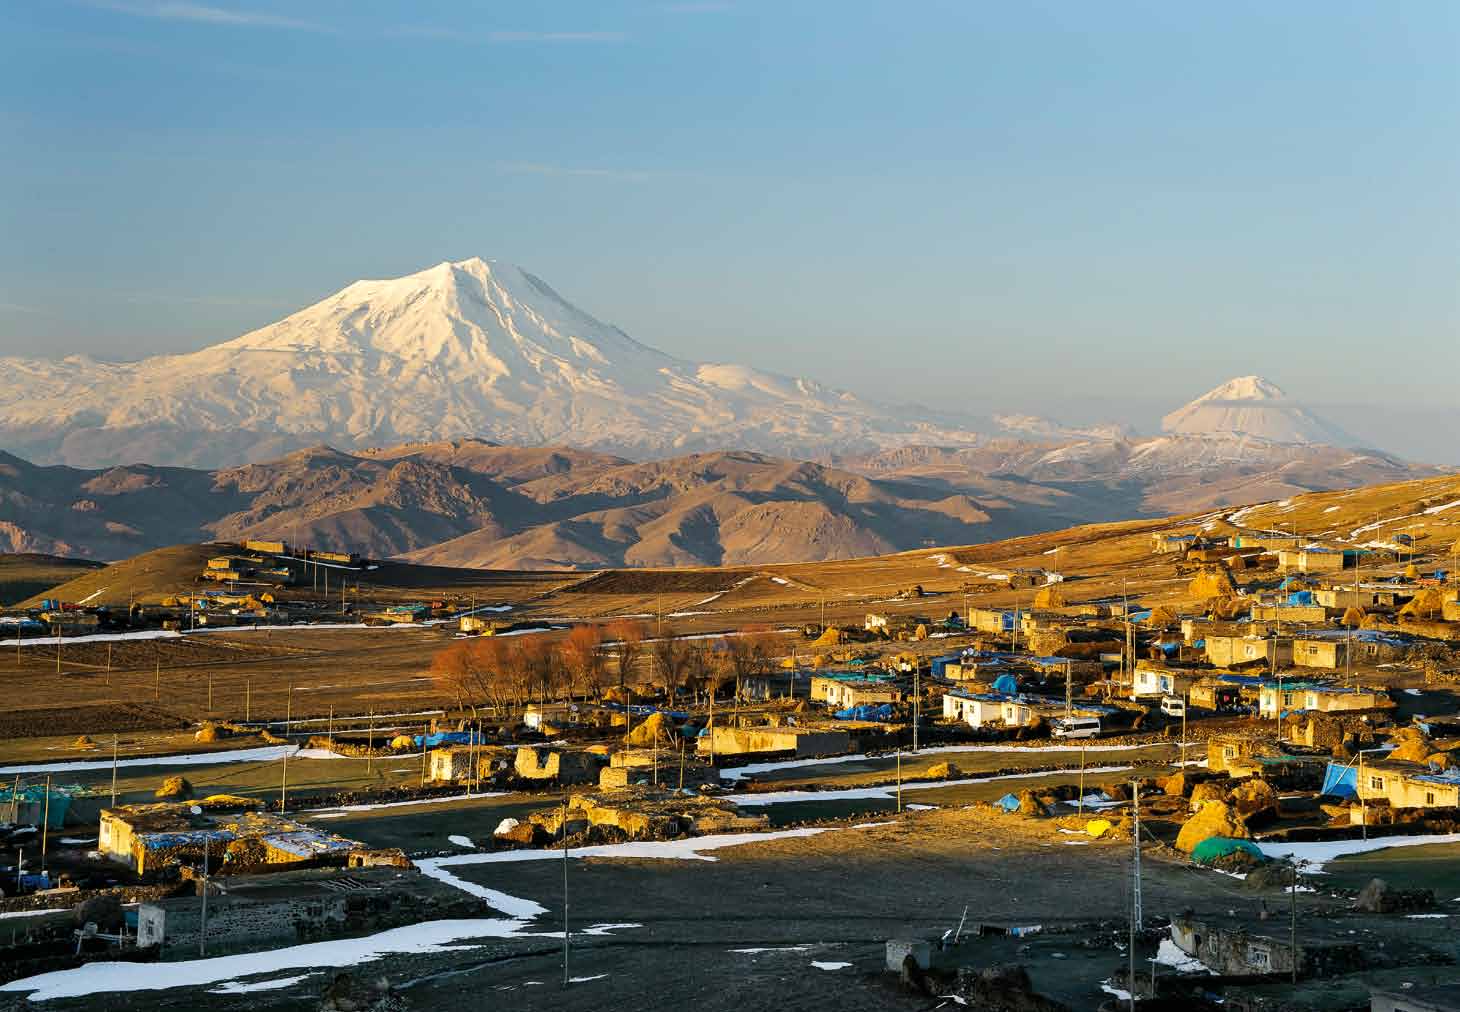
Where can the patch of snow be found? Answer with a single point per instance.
(1319, 853)
(771, 948)
(829, 966)
(603, 929)
(50, 641)
(1170, 954)
(239, 987)
(35, 913)
(740, 772)
(584, 980)
(377, 806)
(268, 753)
(886, 792)
(462, 841)
(116, 977)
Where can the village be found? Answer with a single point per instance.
(1245, 740)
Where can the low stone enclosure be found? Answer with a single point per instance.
(647, 813)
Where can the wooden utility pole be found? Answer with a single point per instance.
(1135, 907)
(114, 771)
(247, 698)
(58, 648)
(284, 784)
(565, 889)
(45, 823)
(157, 675)
(1293, 921)
(210, 692)
(899, 781)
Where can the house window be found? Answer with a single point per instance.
(1259, 959)
(1376, 783)
(1429, 797)
(1229, 752)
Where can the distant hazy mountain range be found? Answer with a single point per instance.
(472, 503)
(446, 364)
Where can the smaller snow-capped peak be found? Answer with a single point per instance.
(1251, 407)
(1244, 388)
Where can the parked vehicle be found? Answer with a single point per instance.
(1075, 727)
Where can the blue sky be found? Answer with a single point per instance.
(1082, 210)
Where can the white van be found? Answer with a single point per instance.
(1173, 706)
(1075, 727)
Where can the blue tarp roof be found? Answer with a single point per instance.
(1006, 684)
(1009, 803)
(868, 712)
(1340, 781)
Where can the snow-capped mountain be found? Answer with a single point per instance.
(475, 348)
(1250, 408)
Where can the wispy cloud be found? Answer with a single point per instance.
(179, 10)
(580, 171)
(456, 35)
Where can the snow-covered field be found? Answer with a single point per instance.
(1319, 853)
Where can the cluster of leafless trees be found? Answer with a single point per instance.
(509, 671)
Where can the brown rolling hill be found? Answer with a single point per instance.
(475, 503)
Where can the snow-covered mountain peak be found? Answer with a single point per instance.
(1244, 388)
(464, 348)
(1253, 408)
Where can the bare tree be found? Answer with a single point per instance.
(699, 659)
(517, 675)
(453, 674)
(629, 636)
(539, 664)
(582, 654)
(670, 655)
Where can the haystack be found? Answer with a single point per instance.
(1210, 582)
(1161, 617)
(1427, 603)
(1413, 746)
(921, 632)
(621, 694)
(176, 788)
(831, 636)
(656, 727)
(230, 801)
(1215, 818)
(1226, 609)
(403, 741)
(207, 734)
(83, 741)
(1353, 617)
(1051, 596)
